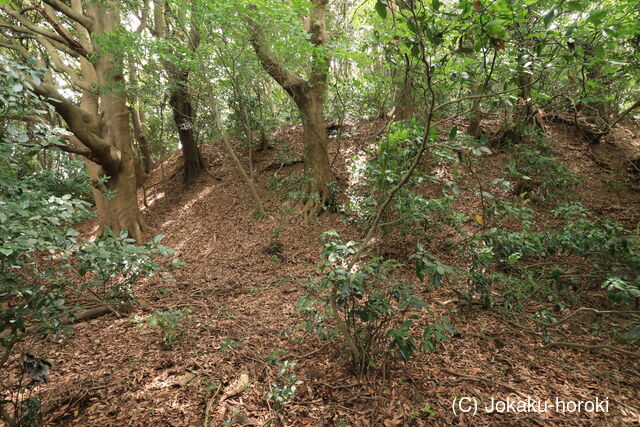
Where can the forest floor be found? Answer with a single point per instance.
(243, 303)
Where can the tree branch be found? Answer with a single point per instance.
(81, 19)
(290, 81)
(102, 152)
(16, 47)
(57, 61)
(624, 113)
(488, 95)
(70, 41)
(29, 25)
(144, 18)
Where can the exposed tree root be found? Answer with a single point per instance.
(308, 208)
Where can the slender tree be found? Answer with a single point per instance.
(168, 27)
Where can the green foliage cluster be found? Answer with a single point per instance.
(377, 171)
(286, 385)
(379, 311)
(604, 245)
(69, 177)
(47, 274)
(169, 322)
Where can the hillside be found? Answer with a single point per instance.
(242, 294)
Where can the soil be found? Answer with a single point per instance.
(244, 278)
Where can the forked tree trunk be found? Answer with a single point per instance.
(183, 118)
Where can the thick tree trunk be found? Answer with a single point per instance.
(316, 158)
(183, 118)
(117, 199)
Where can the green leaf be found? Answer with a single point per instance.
(6, 251)
(597, 16)
(495, 26)
(574, 5)
(381, 8)
(548, 18)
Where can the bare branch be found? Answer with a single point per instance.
(75, 78)
(81, 19)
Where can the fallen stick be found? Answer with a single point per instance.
(209, 405)
(486, 381)
(591, 347)
(82, 316)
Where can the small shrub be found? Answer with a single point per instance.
(371, 310)
(170, 323)
(284, 389)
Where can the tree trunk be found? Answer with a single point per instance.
(137, 117)
(117, 199)
(404, 103)
(523, 112)
(475, 116)
(316, 158)
(140, 132)
(183, 118)
(308, 94)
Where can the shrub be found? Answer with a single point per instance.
(371, 310)
(169, 322)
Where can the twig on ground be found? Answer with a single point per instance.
(210, 404)
(592, 347)
(586, 310)
(486, 381)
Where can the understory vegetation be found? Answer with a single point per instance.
(270, 212)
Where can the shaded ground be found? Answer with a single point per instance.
(110, 372)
